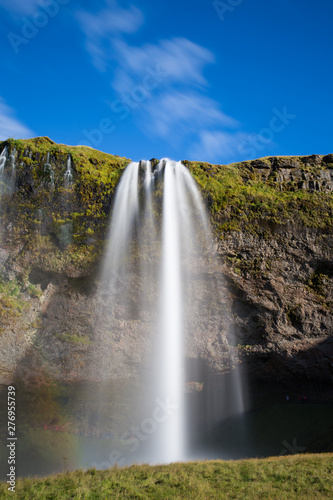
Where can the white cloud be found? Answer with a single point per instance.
(10, 126)
(177, 103)
(107, 24)
(180, 58)
(175, 112)
(220, 146)
(177, 108)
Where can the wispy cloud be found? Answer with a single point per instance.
(215, 144)
(179, 108)
(180, 58)
(103, 28)
(11, 126)
(176, 113)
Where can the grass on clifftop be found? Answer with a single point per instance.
(298, 476)
(238, 199)
(91, 163)
(239, 196)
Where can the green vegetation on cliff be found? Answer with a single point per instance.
(259, 195)
(92, 165)
(63, 229)
(298, 476)
(15, 299)
(256, 196)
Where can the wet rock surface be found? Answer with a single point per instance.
(271, 291)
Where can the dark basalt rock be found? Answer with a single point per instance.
(259, 164)
(328, 159)
(312, 159)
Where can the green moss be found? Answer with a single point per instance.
(12, 302)
(245, 196)
(35, 207)
(10, 288)
(45, 254)
(293, 315)
(239, 199)
(34, 291)
(317, 284)
(74, 338)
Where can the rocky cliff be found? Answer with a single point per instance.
(272, 220)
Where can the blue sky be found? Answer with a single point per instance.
(219, 81)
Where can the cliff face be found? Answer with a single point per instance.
(272, 220)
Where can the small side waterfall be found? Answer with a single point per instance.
(159, 246)
(69, 173)
(48, 170)
(7, 177)
(3, 160)
(125, 210)
(12, 159)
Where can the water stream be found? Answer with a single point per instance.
(49, 171)
(69, 173)
(3, 160)
(160, 212)
(12, 159)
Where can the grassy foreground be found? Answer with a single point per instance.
(298, 476)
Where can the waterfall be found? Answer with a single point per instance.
(148, 183)
(48, 170)
(7, 179)
(147, 239)
(125, 210)
(13, 161)
(186, 240)
(69, 173)
(3, 160)
(159, 245)
(170, 317)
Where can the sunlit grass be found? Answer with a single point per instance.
(298, 476)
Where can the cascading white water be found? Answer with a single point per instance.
(48, 170)
(149, 184)
(147, 232)
(170, 323)
(185, 239)
(7, 179)
(13, 161)
(159, 243)
(3, 160)
(69, 173)
(125, 210)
